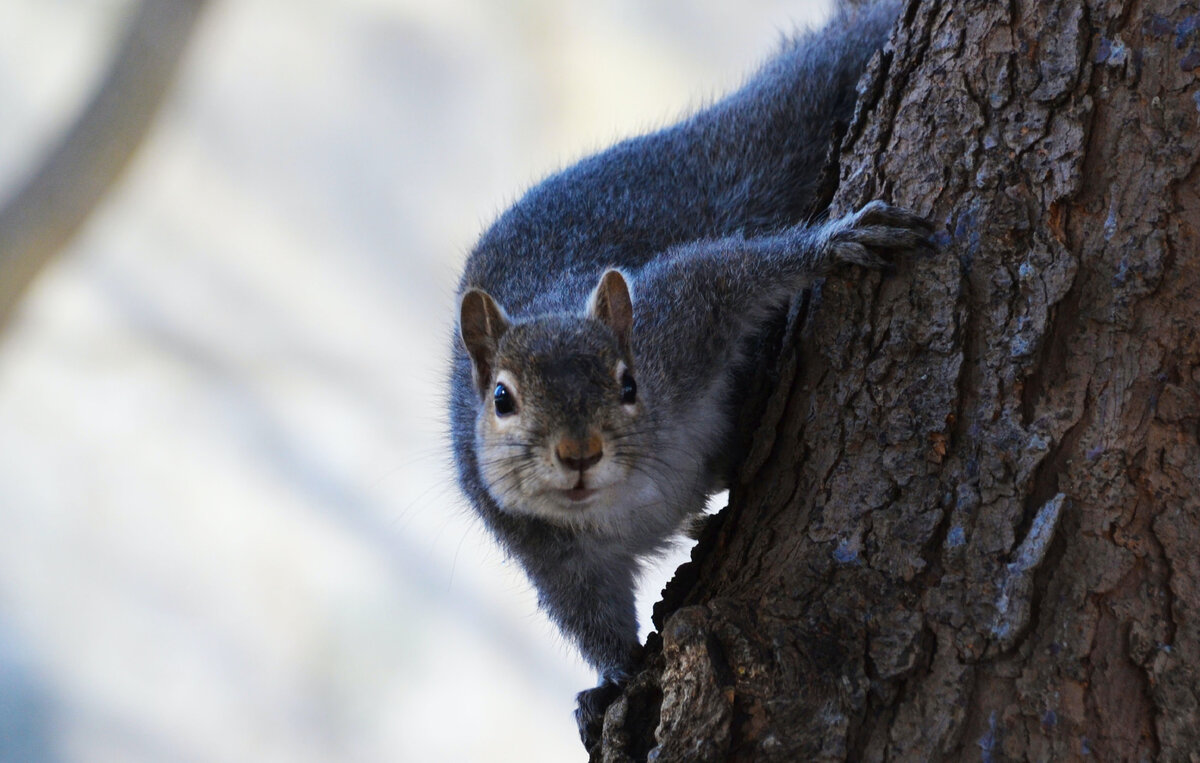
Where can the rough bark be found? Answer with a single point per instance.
(968, 526)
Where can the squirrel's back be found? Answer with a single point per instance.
(749, 163)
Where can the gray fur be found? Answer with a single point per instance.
(703, 220)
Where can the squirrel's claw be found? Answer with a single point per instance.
(590, 706)
(881, 213)
(875, 235)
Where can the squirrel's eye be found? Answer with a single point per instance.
(503, 400)
(628, 389)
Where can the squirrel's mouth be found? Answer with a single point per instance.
(579, 493)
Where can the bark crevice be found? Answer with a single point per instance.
(968, 518)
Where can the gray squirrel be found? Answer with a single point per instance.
(605, 316)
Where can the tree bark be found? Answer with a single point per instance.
(968, 525)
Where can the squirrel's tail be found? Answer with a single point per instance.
(793, 109)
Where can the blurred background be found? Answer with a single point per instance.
(228, 529)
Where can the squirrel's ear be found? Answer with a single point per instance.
(610, 304)
(481, 323)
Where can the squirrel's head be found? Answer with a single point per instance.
(558, 419)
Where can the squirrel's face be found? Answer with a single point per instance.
(560, 420)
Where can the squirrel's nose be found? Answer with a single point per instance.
(579, 455)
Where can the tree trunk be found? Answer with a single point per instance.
(968, 526)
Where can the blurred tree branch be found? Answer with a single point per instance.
(43, 215)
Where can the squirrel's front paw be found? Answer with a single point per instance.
(591, 705)
(874, 235)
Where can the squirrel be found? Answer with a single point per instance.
(604, 317)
